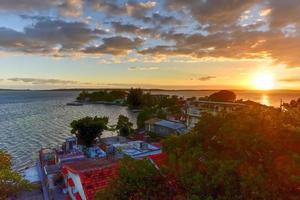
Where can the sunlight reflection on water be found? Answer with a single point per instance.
(265, 100)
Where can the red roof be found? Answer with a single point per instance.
(95, 175)
(86, 165)
(159, 159)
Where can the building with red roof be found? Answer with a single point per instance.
(85, 177)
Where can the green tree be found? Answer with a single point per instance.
(135, 98)
(10, 182)
(137, 179)
(88, 129)
(124, 126)
(253, 153)
(223, 95)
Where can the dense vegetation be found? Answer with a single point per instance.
(124, 126)
(88, 129)
(104, 95)
(138, 179)
(10, 182)
(250, 154)
(160, 108)
(223, 96)
(253, 153)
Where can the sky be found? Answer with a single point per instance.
(167, 44)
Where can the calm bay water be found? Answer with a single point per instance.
(32, 119)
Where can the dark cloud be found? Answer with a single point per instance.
(161, 20)
(213, 12)
(133, 29)
(38, 81)
(27, 5)
(284, 12)
(48, 36)
(131, 8)
(206, 78)
(115, 45)
(65, 7)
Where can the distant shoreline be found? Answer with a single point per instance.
(158, 90)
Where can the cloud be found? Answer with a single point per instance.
(158, 19)
(38, 81)
(143, 68)
(213, 12)
(130, 8)
(65, 7)
(48, 37)
(133, 29)
(27, 5)
(206, 78)
(115, 45)
(290, 79)
(72, 8)
(192, 29)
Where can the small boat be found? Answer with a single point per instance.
(75, 103)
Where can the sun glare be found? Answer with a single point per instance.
(263, 81)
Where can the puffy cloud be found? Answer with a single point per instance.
(25, 5)
(284, 13)
(115, 45)
(131, 8)
(48, 36)
(65, 7)
(162, 20)
(213, 12)
(133, 29)
(72, 8)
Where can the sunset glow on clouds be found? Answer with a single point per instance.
(197, 44)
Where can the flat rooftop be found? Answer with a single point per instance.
(171, 124)
(137, 148)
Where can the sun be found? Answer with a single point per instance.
(263, 81)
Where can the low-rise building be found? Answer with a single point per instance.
(164, 127)
(86, 177)
(195, 110)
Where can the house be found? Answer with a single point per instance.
(164, 127)
(86, 177)
(195, 110)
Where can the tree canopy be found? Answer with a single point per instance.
(88, 129)
(102, 95)
(135, 98)
(137, 179)
(223, 95)
(10, 182)
(253, 153)
(124, 126)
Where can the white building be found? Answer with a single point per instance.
(196, 109)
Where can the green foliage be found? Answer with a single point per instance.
(10, 182)
(124, 126)
(135, 98)
(149, 113)
(223, 95)
(249, 154)
(88, 129)
(104, 95)
(138, 179)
